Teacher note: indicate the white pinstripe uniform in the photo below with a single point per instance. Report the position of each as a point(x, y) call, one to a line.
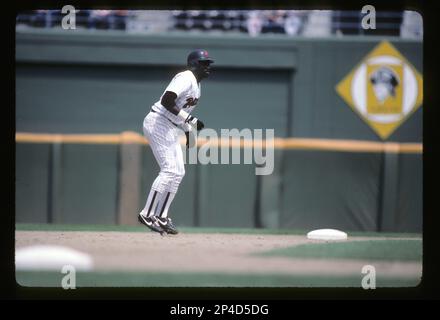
point(161, 128)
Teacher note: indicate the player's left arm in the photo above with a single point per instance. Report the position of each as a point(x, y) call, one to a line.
point(169, 102)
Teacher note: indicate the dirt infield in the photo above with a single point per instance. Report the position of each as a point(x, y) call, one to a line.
point(213, 252)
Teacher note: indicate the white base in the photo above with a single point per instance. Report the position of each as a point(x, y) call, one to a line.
point(327, 234)
point(44, 257)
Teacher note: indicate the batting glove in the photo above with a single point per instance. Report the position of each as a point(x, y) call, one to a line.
point(187, 118)
point(196, 122)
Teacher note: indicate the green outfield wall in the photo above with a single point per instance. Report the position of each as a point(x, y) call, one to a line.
point(70, 82)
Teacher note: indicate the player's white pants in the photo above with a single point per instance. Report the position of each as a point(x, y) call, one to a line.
point(163, 137)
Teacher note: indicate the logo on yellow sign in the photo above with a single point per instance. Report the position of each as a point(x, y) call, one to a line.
point(384, 89)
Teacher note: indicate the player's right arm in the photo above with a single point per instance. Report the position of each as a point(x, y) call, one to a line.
point(169, 102)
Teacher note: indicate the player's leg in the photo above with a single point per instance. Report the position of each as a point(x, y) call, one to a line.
point(166, 198)
point(151, 203)
point(161, 139)
point(163, 186)
point(178, 170)
point(163, 181)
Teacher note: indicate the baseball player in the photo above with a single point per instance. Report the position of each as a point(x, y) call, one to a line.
point(161, 127)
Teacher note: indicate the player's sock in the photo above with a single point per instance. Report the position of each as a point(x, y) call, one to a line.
point(163, 204)
point(151, 204)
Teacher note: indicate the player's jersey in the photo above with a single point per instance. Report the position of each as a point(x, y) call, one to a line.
point(185, 86)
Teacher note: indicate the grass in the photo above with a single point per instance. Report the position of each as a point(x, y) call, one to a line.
point(105, 228)
point(390, 249)
point(192, 279)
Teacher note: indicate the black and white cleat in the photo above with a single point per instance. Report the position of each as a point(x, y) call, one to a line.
point(151, 223)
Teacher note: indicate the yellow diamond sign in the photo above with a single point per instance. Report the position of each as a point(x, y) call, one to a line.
point(384, 89)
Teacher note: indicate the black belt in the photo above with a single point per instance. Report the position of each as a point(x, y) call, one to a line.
point(164, 117)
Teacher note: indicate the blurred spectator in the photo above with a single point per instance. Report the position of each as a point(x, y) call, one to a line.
point(294, 22)
point(195, 20)
point(216, 17)
point(179, 18)
point(274, 22)
point(99, 19)
point(117, 19)
point(228, 21)
point(254, 23)
point(82, 18)
point(40, 19)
